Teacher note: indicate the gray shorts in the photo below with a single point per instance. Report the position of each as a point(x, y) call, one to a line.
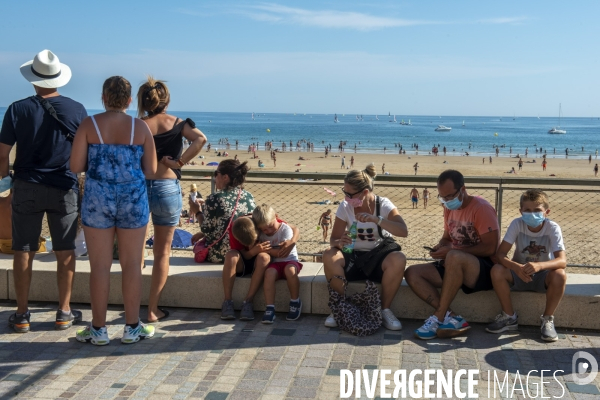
point(538, 284)
point(29, 204)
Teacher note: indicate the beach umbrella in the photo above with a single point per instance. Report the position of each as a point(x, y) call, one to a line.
point(212, 164)
point(331, 192)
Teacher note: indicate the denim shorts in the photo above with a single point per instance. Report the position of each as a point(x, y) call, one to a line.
point(164, 198)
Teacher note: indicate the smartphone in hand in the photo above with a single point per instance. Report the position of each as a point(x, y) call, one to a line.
point(428, 248)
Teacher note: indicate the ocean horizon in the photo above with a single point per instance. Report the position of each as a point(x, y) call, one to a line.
point(371, 134)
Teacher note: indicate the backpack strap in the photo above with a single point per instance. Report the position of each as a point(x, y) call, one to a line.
point(69, 134)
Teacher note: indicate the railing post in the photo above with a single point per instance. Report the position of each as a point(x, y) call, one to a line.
point(499, 195)
point(213, 187)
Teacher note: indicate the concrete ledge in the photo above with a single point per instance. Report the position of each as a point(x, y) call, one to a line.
point(581, 299)
point(6, 263)
point(189, 285)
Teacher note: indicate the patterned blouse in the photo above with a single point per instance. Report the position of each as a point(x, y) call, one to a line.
point(217, 213)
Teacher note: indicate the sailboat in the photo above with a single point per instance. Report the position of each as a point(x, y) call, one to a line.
point(252, 115)
point(394, 120)
point(335, 118)
point(556, 130)
point(376, 117)
point(463, 123)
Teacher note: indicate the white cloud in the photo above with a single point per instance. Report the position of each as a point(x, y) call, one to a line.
point(504, 20)
point(327, 18)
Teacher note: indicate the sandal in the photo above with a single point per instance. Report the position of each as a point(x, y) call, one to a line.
point(166, 312)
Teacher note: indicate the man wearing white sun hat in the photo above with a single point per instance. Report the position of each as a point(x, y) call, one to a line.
point(42, 127)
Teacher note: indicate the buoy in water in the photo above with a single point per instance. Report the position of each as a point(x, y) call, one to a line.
point(268, 130)
point(496, 134)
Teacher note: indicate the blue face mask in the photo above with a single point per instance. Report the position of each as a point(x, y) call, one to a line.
point(453, 204)
point(534, 219)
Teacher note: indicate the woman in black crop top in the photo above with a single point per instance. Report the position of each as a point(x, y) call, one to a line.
point(164, 191)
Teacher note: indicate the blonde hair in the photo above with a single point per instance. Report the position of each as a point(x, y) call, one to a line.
point(537, 196)
point(153, 97)
point(263, 215)
point(361, 180)
point(244, 231)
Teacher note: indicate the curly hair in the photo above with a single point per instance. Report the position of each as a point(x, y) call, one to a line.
point(117, 92)
point(153, 97)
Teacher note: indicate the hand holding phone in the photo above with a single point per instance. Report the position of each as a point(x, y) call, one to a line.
point(428, 248)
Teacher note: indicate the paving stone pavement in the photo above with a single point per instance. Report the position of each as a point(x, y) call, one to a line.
point(197, 355)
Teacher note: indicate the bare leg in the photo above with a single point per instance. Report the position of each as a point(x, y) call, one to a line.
point(99, 244)
point(502, 278)
point(333, 263)
point(269, 285)
point(65, 273)
point(260, 266)
point(461, 268)
point(163, 237)
point(233, 263)
point(292, 281)
point(556, 281)
point(424, 279)
point(130, 242)
point(22, 272)
point(393, 271)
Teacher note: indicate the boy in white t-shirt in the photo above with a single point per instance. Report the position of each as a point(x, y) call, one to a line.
point(274, 231)
point(538, 264)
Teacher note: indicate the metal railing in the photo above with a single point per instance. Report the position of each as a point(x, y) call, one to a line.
point(299, 199)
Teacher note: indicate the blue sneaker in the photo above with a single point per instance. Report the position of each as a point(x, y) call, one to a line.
point(269, 315)
point(295, 310)
point(429, 329)
point(453, 326)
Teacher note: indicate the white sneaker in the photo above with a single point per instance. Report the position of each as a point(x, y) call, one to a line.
point(330, 322)
point(142, 331)
point(390, 321)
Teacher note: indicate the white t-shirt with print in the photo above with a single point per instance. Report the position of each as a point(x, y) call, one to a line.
point(283, 233)
point(368, 234)
point(534, 246)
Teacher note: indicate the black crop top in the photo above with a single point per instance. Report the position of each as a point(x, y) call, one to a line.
point(170, 143)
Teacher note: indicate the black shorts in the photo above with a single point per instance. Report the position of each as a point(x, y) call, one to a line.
point(248, 266)
point(29, 204)
point(484, 282)
point(357, 274)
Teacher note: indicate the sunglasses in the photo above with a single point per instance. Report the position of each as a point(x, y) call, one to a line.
point(350, 195)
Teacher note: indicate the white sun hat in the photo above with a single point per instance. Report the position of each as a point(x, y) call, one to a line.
point(46, 71)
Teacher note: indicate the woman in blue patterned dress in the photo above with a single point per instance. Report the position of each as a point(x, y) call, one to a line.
point(115, 150)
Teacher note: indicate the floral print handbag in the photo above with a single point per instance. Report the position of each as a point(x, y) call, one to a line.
point(200, 247)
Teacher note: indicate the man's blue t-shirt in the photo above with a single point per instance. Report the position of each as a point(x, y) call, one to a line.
point(43, 151)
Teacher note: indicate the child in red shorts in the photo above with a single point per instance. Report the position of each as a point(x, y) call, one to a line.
point(274, 231)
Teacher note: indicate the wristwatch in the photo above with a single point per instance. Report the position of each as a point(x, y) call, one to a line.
point(380, 219)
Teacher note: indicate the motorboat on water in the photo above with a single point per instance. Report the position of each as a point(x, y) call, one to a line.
point(556, 130)
point(442, 128)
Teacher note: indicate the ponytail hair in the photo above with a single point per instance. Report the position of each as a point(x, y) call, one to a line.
point(361, 180)
point(153, 97)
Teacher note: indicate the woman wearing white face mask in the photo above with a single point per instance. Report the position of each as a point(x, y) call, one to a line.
point(377, 221)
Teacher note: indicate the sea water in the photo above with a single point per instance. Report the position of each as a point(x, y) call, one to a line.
point(479, 135)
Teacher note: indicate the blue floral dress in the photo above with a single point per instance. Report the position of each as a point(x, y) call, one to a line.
point(115, 186)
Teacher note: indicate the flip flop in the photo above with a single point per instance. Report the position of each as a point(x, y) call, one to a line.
point(166, 312)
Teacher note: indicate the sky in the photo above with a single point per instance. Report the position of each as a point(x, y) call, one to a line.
point(509, 58)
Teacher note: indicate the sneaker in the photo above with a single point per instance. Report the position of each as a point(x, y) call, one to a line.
point(330, 322)
point(429, 329)
point(295, 310)
point(96, 337)
point(20, 322)
point(247, 313)
point(65, 320)
point(452, 326)
point(269, 315)
point(548, 331)
point(227, 310)
point(503, 323)
point(133, 335)
point(390, 321)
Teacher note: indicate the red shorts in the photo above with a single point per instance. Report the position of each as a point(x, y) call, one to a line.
point(280, 266)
